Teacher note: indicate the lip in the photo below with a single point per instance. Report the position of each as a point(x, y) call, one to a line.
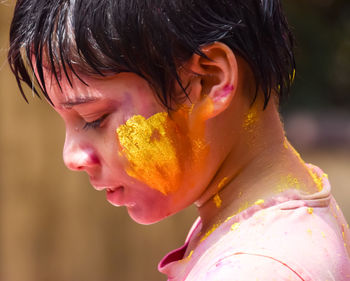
point(115, 195)
point(100, 187)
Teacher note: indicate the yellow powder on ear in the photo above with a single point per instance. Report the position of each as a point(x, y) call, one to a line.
point(217, 200)
point(310, 210)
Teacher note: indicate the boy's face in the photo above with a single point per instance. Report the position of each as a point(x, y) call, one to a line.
point(120, 135)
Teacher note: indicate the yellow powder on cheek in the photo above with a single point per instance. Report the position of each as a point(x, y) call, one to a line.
point(150, 151)
point(159, 149)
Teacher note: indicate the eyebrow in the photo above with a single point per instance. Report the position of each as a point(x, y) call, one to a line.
point(78, 101)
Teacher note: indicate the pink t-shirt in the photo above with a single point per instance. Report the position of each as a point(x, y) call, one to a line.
point(289, 237)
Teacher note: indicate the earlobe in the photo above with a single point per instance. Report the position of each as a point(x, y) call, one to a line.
point(217, 81)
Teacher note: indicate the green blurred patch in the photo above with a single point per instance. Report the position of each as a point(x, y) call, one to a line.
point(322, 32)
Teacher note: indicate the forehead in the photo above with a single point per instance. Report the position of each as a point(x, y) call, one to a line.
point(70, 91)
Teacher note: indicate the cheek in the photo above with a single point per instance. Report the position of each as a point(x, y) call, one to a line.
point(160, 150)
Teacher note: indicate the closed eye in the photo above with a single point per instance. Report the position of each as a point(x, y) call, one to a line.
point(95, 124)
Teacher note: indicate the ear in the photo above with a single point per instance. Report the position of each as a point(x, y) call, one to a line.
point(215, 84)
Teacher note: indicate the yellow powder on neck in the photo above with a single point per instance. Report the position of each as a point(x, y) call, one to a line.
point(217, 200)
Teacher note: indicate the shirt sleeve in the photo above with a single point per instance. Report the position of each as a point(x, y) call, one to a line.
point(253, 267)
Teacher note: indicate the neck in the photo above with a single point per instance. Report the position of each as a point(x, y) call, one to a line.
point(260, 164)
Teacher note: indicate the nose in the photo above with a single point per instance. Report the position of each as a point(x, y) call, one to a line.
point(78, 156)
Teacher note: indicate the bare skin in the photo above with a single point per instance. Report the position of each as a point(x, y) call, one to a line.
point(257, 156)
point(248, 160)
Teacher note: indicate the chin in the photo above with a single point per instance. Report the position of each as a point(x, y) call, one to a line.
point(148, 217)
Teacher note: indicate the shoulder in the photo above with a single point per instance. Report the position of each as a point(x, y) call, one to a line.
point(296, 244)
point(245, 266)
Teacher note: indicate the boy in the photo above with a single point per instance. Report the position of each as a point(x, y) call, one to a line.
point(170, 103)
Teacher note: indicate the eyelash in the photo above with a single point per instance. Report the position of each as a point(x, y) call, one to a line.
point(95, 124)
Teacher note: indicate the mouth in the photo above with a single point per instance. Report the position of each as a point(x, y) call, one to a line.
point(112, 189)
point(105, 187)
point(115, 196)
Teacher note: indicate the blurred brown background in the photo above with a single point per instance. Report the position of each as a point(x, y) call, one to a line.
point(54, 226)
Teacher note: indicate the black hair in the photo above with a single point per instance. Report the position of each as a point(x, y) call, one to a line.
point(151, 38)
